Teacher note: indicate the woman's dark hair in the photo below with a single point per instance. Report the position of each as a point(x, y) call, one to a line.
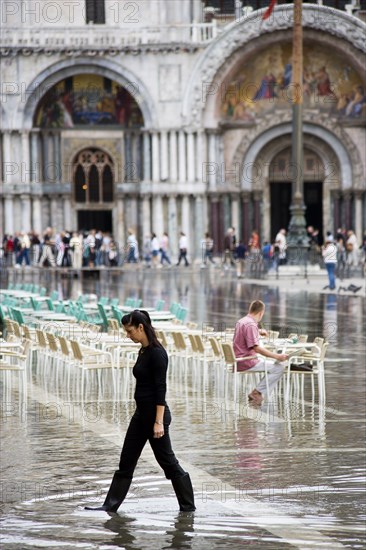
point(140, 316)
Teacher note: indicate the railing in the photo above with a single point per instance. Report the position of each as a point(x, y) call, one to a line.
point(97, 37)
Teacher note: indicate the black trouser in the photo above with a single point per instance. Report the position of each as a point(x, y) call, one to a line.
point(139, 431)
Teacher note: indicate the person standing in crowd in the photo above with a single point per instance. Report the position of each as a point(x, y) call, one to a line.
point(112, 254)
point(267, 254)
point(281, 242)
point(228, 248)
point(254, 250)
point(246, 344)
point(150, 421)
point(183, 244)
point(352, 249)
point(132, 248)
point(207, 246)
point(47, 249)
point(25, 245)
point(155, 249)
point(329, 253)
point(8, 246)
point(76, 247)
point(35, 247)
point(240, 253)
point(164, 249)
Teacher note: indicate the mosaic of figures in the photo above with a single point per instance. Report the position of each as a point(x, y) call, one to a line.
point(88, 100)
point(263, 85)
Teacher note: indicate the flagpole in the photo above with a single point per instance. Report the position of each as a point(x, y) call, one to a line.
point(297, 237)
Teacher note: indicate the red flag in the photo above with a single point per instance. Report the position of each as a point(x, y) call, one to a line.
point(269, 10)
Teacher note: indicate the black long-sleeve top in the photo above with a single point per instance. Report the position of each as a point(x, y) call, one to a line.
point(150, 373)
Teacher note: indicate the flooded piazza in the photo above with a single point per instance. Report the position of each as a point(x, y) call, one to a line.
point(290, 474)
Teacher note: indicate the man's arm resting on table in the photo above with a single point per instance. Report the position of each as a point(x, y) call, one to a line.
point(266, 353)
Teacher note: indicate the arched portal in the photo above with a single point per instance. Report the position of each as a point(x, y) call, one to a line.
point(280, 190)
point(93, 189)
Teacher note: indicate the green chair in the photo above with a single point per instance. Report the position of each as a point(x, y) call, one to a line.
point(160, 305)
point(35, 304)
point(42, 291)
point(103, 315)
point(117, 314)
point(114, 302)
point(103, 300)
point(10, 286)
point(54, 295)
point(50, 304)
point(182, 314)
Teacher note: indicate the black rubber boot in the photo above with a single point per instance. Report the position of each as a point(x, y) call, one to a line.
point(116, 494)
point(184, 491)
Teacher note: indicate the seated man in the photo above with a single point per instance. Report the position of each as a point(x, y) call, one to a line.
point(246, 343)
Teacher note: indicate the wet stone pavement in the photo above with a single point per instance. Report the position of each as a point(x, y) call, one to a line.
point(287, 475)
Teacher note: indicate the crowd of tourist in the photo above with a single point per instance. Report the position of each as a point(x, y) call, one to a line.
point(99, 249)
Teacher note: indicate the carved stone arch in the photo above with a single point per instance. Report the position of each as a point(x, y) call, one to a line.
point(268, 128)
point(226, 51)
point(84, 65)
point(331, 168)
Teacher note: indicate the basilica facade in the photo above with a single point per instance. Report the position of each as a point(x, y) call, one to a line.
point(170, 116)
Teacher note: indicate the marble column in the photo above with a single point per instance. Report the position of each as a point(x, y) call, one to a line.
point(173, 225)
point(26, 213)
point(191, 157)
point(173, 166)
point(146, 217)
point(119, 227)
point(37, 214)
point(257, 196)
point(245, 217)
point(25, 162)
point(68, 223)
point(45, 155)
point(155, 158)
point(201, 156)
point(213, 167)
point(358, 198)
point(57, 169)
point(199, 227)
point(186, 221)
point(129, 166)
point(35, 163)
point(164, 155)
point(347, 209)
point(226, 212)
point(215, 223)
point(9, 166)
point(182, 156)
point(235, 215)
point(147, 156)
point(55, 213)
point(336, 211)
point(157, 222)
point(9, 215)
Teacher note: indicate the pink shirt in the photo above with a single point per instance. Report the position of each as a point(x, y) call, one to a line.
point(246, 336)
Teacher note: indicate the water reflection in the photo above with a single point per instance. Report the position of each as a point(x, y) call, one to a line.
point(301, 457)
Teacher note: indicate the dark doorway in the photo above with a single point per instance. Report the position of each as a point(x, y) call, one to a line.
point(281, 201)
point(280, 206)
point(95, 219)
point(313, 197)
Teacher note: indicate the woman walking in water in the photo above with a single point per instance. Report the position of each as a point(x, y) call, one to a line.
point(150, 421)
